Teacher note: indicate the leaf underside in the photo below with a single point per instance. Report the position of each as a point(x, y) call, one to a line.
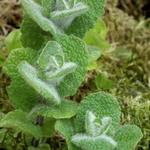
point(92, 143)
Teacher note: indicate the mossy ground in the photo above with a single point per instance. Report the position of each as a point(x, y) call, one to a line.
point(131, 73)
point(129, 30)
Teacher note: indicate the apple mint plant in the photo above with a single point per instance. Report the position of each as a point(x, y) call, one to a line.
point(47, 69)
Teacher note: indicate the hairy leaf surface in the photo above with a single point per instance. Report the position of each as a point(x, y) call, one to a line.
point(32, 35)
point(52, 49)
point(83, 23)
point(74, 51)
point(20, 93)
point(93, 143)
point(30, 75)
point(127, 137)
point(102, 104)
point(35, 12)
point(66, 109)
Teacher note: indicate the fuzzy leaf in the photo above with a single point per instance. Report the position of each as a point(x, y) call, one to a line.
point(90, 123)
point(102, 142)
point(30, 75)
point(32, 35)
point(22, 96)
point(65, 127)
point(73, 12)
point(83, 23)
point(96, 134)
point(15, 58)
point(93, 127)
point(18, 120)
point(127, 137)
point(20, 93)
point(63, 18)
point(66, 69)
point(102, 104)
point(74, 51)
point(35, 12)
point(66, 109)
point(52, 49)
point(47, 6)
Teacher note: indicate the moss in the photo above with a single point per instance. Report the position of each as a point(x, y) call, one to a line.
point(131, 76)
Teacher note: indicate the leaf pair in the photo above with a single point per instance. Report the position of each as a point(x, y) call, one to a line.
point(59, 19)
point(47, 16)
point(96, 134)
point(24, 122)
point(53, 65)
point(92, 135)
point(52, 68)
point(66, 12)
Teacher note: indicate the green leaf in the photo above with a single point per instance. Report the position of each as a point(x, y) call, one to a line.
point(66, 109)
point(96, 134)
point(93, 54)
point(52, 49)
point(83, 23)
point(48, 127)
point(15, 58)
point(102, 104)
point(75, 51)
point(32, 35)
point(30, 75)
point(70, 12)
point(65, 127)
point(51, 63)
point(22, 96)
point(20, 93)
point(102, 82)
point(97, 36)
point(93, 143)
point(127, 137)
point(47, 6)
point(18, 120)
point(93, 127)
point(35, 12)
point(13, 41)
point(64, 16)
point(60, 73)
